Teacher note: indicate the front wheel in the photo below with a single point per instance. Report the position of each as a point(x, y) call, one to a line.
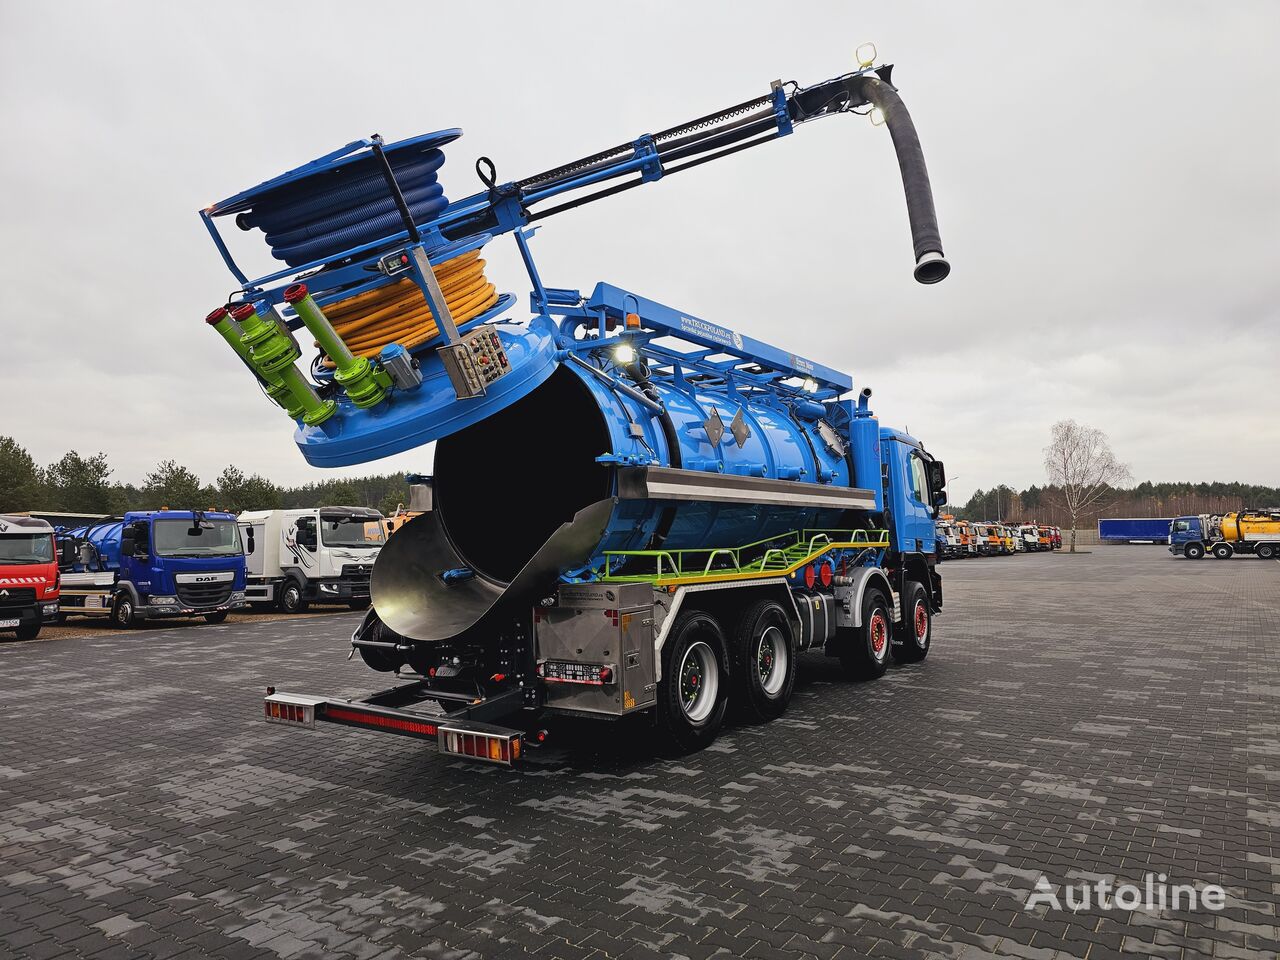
point(864, 650)
point(218, 616)
point(693, 694)
point(1222, 551)
point(915, 633)
point(124, 615)
point(764, 663)
point(292, 599)
point(1267, 551)
point(1193, 551)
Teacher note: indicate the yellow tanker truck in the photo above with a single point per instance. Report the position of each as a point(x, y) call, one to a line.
point(1244, 531)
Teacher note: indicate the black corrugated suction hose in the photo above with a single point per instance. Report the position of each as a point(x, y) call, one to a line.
point(931, 265)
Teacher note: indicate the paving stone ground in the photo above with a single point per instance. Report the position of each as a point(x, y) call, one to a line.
point(1099, 716)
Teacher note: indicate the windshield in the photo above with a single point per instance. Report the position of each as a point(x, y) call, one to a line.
point(212, 538)
point(26, 548)
point(350, 532)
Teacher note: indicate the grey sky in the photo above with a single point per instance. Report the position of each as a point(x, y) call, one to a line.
point(1107, 178)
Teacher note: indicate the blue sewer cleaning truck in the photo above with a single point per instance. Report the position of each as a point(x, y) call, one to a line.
point(633, 509)
point(153, 563)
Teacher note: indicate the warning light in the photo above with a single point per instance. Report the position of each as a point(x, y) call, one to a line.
point(606, 675)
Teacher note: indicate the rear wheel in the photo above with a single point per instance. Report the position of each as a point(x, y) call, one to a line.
point(1266, 551)
point(864, 652)
point(1222, 551)
point(693, 694)
point(124, 615)
point(764, 664)
point(291, 598)
point(1193, 551)
point(915, 633)
point(28, 631)
point(218, 616)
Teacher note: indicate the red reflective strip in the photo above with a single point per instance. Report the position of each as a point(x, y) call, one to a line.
point(379, 721)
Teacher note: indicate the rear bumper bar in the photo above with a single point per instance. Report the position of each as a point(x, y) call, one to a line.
point(463, 738)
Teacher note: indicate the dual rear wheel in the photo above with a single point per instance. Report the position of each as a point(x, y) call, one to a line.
point(753, 668)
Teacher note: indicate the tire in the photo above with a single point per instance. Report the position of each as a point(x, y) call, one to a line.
point(914, 635)
point(218, 616)
point(1193, 551)
point(1266, 551)
point(124, 615)
point(763, 663)
point(292, 599)
point(29, 631)
point(1222, 551)
point(864, 650)
point(694, 692)
point(360, 603)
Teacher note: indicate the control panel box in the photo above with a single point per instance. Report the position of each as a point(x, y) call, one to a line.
point(475, 361)
point(595, 648)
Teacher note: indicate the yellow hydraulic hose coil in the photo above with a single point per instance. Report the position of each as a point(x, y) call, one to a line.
point(398, 313)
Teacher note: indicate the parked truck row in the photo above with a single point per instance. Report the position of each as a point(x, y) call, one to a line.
point(158, 564)
point(960, 539)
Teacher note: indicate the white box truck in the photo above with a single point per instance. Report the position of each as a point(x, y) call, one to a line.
point(315, 555)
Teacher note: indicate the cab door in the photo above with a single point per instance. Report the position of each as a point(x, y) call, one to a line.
point(914, 515)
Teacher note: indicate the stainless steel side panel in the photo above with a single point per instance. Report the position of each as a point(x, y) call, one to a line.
point(668, 483)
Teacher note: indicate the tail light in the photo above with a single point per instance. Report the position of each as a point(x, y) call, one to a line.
point(501, 748)
point(290, 708)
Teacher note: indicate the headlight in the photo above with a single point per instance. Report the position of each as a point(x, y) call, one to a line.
point(328, 588)
point(164, 601)
point(51, 608)
point(237, 596)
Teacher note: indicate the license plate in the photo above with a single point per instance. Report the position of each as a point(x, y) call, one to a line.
point(6, 624)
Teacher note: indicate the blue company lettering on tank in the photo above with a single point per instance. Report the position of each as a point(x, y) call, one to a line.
point(711, 331)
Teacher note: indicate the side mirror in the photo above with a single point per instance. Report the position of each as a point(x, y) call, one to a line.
point(128, 546)
point(67, 553)
point(938, 482)
point(248, 540)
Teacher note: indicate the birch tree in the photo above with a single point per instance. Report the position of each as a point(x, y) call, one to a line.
point(1080, 462)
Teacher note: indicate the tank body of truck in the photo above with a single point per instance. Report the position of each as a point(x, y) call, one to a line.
point(1250, 531)
point(30, 582)
point(1134, 529)
point(310, 555)
point(153, 564)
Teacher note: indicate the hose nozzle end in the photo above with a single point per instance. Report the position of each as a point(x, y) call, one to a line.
point(296, 292)
point(215, 316)
point(932, 267)
point(243, 312)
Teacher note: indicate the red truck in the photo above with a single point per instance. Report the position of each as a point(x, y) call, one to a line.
point(29, 578)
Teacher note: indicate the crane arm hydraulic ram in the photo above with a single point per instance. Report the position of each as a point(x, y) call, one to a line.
point(749, 124)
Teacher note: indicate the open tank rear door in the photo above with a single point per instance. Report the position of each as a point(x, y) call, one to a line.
point(423, 590)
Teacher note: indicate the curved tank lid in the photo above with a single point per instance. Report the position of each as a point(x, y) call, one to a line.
point(357, 151)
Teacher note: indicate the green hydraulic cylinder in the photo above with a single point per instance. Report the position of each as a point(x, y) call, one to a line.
point(364, 383)
point(230, 331)
point(272, 354)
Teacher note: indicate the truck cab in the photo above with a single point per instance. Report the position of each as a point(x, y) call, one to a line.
point(29, 577)
point(311, 555)
point(1029, 533)
point(153, 564)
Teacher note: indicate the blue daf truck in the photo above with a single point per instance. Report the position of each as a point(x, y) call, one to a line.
point(153, 563)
